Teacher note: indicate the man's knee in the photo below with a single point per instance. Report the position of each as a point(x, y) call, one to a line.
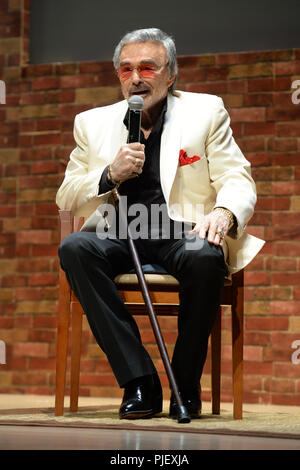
point(205, 260)
point(71, 248)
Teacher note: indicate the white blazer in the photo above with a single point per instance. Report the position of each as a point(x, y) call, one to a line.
point(196, 123)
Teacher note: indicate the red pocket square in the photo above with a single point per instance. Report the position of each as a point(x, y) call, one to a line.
point(185, 160)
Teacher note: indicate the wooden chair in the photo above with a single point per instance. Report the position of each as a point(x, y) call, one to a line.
point(164, 295)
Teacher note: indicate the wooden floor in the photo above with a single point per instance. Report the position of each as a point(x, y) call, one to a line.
point(56, 438)
point(46, 438)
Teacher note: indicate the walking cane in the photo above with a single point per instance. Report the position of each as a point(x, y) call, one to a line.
point(136, 104)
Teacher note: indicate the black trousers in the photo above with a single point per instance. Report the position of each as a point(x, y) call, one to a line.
point(91, 265)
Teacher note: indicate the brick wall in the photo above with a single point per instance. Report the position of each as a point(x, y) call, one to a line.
point(35, 141)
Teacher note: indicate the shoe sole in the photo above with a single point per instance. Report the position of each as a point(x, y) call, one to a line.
point(192, 416)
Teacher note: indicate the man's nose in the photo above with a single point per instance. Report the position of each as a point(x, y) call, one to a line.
point(135, 77)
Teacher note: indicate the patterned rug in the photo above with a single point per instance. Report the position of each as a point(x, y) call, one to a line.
point(280, 424)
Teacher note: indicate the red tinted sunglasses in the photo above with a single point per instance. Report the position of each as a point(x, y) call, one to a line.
point(145, 70)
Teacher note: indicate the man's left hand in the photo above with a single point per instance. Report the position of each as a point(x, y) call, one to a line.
point(215, 225)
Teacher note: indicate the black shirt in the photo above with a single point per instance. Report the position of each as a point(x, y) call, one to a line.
point(146, 188)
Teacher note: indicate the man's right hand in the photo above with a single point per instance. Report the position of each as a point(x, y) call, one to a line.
point(128, 162)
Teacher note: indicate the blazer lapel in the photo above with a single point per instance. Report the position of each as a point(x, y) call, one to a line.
point(170, 145)
point(114, 134)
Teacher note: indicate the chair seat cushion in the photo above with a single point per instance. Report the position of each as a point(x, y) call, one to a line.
point(154, 274)
point(151, 269)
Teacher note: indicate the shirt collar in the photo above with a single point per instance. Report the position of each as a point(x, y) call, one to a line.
point(158, 125)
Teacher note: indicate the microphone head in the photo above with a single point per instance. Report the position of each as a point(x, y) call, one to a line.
point(136, 103)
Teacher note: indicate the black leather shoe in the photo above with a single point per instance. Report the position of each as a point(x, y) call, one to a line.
point(191, 400)
point(142, 398)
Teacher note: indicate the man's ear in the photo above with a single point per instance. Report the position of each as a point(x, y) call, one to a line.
point(171, 81)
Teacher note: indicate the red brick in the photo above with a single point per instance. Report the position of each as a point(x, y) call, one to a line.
point(77, 81)
point(34, 236)
point(266, 128)
point(282, 83)
point(31, 182)
point(96, 67)
point(30, 349)
point(49, 124)
point(289, 248)
point(247, 114)
point(286, 399)
point(258, 99)
point(282, 99)
point(45, 250)
point(260, 84)
point(45, 83)
point(286, 370)
point(216, 73)
point(209, 87)
point(97, 379)
point(279, 385)
point(11, 280)
point(8, 211)
point(47, 208)
point(273, 203)
point(39, 70)
point(282, 143)
point(286, 158)
point(251, 144)
point(25, 293)
point(42, 363)
point(44, 223)
point(191, 75)
point(283, 114)
point(257, 278)
point(43, 279)
point(32, 98)
point(44, 321)
point(288, 129)
point(282, 264)
point(255, 368)
point(43, 336)
point(47, 139)
point(36, 154)
point(253, 353)
point(269, 323)
point(287, 68)
point(285, 307)
point(289, 218)
point(296, 293)
point(286, 278)
point(259, 158)
point(290, 187)
point(31, 378)
point(44, 167)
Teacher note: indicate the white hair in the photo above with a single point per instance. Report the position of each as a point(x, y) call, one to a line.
point(151, 35)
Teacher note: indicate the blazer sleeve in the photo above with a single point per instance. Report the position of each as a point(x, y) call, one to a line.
point(230, 172)
point(80, 186)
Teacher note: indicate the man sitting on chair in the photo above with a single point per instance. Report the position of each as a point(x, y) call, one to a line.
point(187, 165)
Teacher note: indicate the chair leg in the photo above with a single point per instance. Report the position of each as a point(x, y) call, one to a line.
point(62, 342)
point(76, 334)
point(237, 352)
point(216, 364)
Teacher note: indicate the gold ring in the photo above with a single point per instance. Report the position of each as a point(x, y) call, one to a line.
point(221, 234)
point(138, 162)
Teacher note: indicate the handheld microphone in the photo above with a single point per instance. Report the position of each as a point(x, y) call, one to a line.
point(136, 104)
